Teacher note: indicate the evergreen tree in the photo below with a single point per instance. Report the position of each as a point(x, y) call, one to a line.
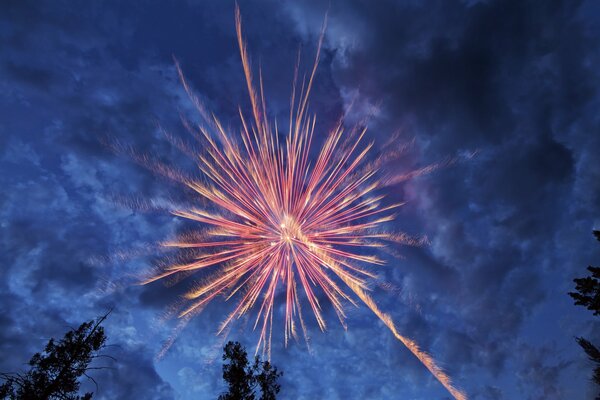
point(244, 379)
point(54, 373)
point(588, 295)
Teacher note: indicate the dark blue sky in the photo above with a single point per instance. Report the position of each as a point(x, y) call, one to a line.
point(509, 229)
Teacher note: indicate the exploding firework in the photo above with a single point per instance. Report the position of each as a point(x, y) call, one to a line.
point(281, 220)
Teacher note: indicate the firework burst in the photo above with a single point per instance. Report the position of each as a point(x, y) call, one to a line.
point(281, 220)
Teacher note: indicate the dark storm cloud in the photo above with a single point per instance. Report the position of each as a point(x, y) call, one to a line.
point(513, 80)
point(509, 229)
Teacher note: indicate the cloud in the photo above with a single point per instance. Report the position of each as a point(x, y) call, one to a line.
point(509, 228)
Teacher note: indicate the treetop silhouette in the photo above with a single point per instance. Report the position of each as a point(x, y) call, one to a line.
point(55, 373)
point(245, 380)
point(588, 295)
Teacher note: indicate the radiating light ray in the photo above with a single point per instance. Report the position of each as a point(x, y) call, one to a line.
point(278, 218)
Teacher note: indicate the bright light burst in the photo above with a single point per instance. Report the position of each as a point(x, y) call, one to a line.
point(282, 220)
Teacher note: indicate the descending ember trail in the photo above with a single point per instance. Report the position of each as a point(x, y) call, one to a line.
point(280, 221)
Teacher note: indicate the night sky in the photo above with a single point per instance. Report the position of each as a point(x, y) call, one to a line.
point(514, 81)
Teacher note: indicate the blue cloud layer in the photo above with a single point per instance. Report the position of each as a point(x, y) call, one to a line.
point(509, 229)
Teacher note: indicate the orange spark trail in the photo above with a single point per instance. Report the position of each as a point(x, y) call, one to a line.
point(425, 358)
point(281, 221)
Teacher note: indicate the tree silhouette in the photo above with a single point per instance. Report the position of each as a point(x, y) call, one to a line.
point(594, 355)
point(244, 379)
point(588, 295)
point(55, 373)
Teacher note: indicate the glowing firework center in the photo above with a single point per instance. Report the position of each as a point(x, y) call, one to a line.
point(327, 207)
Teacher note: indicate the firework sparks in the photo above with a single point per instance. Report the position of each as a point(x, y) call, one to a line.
point(280, 220)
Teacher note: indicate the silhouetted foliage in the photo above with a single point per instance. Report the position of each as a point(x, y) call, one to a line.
point(236, 373)
point(588, 295)
point(593, 354)
point(55, 372)
point(589, 291)
point(244, 379)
